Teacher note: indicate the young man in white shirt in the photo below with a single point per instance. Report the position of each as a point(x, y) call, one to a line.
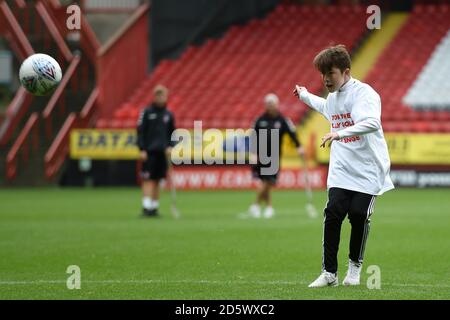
point(359, 160)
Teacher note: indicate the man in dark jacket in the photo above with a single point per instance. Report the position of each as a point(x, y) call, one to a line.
point(270, 120)
point(154, 130)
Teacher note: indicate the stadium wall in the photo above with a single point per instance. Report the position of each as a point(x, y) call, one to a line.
point(85, 172)
point(109, 157)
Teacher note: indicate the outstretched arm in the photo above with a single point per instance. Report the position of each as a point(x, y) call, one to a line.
point(360, 128)
point(366, 114)
point(315, 102)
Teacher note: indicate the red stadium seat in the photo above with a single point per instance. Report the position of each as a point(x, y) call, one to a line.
point(224, 81)
point(400, 64)
point(102, 123)
point(116, 124)
point(420, 126)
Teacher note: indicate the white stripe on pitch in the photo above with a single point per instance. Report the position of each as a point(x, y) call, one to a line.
point(202, 281)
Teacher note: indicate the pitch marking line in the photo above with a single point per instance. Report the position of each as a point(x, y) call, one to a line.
point(218, 282)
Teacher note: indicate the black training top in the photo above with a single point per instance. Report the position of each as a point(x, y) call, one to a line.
point(154, 129)
point(285, 125)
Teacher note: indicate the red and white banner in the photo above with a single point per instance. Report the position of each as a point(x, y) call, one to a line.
point(223, 177)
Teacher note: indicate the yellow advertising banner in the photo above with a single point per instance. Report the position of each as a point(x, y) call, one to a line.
point(409, 149)
point(419, 148)
point(209, 144)
point(111, 144)
point(121, 144)
point(103, 144)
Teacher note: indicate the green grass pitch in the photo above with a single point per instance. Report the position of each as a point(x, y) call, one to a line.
point(210, 253)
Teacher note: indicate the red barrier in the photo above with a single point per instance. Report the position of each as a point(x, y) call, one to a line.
point(29, 132)
point(88, 40)
point(123, 62)
point(56, 154)
point(58, 151)
point(87, 114)
point(14, 33)
point(229, 177)
point(116, 79)
point(21, 3)
point(48, 113)
point(54, 31)
point(14, 114)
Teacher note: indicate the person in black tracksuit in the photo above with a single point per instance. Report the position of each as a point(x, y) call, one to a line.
point(154, 130)
point(271, 119)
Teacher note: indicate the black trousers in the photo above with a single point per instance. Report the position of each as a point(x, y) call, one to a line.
point(359, 207)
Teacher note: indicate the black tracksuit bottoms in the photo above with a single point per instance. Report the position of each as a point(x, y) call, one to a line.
point(359, 207)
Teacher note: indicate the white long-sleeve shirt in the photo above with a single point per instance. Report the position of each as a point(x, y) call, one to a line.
point(359, 161)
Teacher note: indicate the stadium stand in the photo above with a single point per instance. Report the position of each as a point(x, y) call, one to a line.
point(431, 90)
point(403, 62)
point(223, 81)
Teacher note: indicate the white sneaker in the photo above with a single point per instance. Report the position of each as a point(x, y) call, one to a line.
point(255, 211)
point(326, 279)
point(353, 274)
point(269, 212)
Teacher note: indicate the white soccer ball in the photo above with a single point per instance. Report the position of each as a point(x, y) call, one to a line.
point(40, 74)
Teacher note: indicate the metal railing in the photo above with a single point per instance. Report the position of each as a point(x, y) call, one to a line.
point(14, 114)
point(89, 112)
point(58, 150)
point(14, 33)
point(54, 31)
point(21, 46)
point(57, 153)
point(27, 141)
point(57, 101)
